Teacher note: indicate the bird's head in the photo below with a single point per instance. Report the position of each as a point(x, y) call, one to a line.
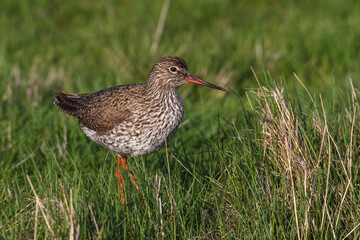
point(173, 72)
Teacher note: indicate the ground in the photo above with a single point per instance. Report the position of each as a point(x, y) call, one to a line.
point(274, 157)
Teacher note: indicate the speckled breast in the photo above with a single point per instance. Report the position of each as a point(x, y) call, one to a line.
point(144, 132)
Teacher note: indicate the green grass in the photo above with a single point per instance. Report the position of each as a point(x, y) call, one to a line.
point(248, 164)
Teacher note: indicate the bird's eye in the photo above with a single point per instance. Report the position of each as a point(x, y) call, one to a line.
point(173, 69)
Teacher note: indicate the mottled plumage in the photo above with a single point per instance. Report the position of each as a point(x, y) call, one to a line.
point(134, 120)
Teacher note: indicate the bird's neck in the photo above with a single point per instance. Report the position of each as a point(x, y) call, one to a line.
point(157, 88)
point(162, 94)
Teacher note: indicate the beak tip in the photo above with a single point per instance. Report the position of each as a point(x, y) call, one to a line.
point(193, 79)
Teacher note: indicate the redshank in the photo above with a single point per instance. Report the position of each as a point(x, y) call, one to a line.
point(136, 119)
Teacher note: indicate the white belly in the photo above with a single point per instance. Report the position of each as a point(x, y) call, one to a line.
point(138, 138)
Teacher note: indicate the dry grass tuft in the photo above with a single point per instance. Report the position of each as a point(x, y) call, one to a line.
point(299, 154)
point(51, 212)
point(283, 139)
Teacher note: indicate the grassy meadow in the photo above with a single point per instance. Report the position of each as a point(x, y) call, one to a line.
point(275, 157)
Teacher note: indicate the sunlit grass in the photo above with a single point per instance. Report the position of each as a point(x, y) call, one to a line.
point(274, 157)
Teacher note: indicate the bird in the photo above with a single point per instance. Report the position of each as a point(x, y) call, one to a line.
point(134, 119)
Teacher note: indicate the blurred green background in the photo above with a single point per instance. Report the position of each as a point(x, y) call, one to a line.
point(83, 46)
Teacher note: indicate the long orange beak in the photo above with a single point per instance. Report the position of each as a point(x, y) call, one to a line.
point(196, 80)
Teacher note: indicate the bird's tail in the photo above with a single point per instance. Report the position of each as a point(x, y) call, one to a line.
point(71, 104)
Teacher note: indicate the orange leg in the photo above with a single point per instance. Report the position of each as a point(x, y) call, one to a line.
point(124, 166)
point(118, 174)
point(123, 161)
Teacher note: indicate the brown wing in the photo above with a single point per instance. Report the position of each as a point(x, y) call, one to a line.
point(104, 119)
point(102, 110)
